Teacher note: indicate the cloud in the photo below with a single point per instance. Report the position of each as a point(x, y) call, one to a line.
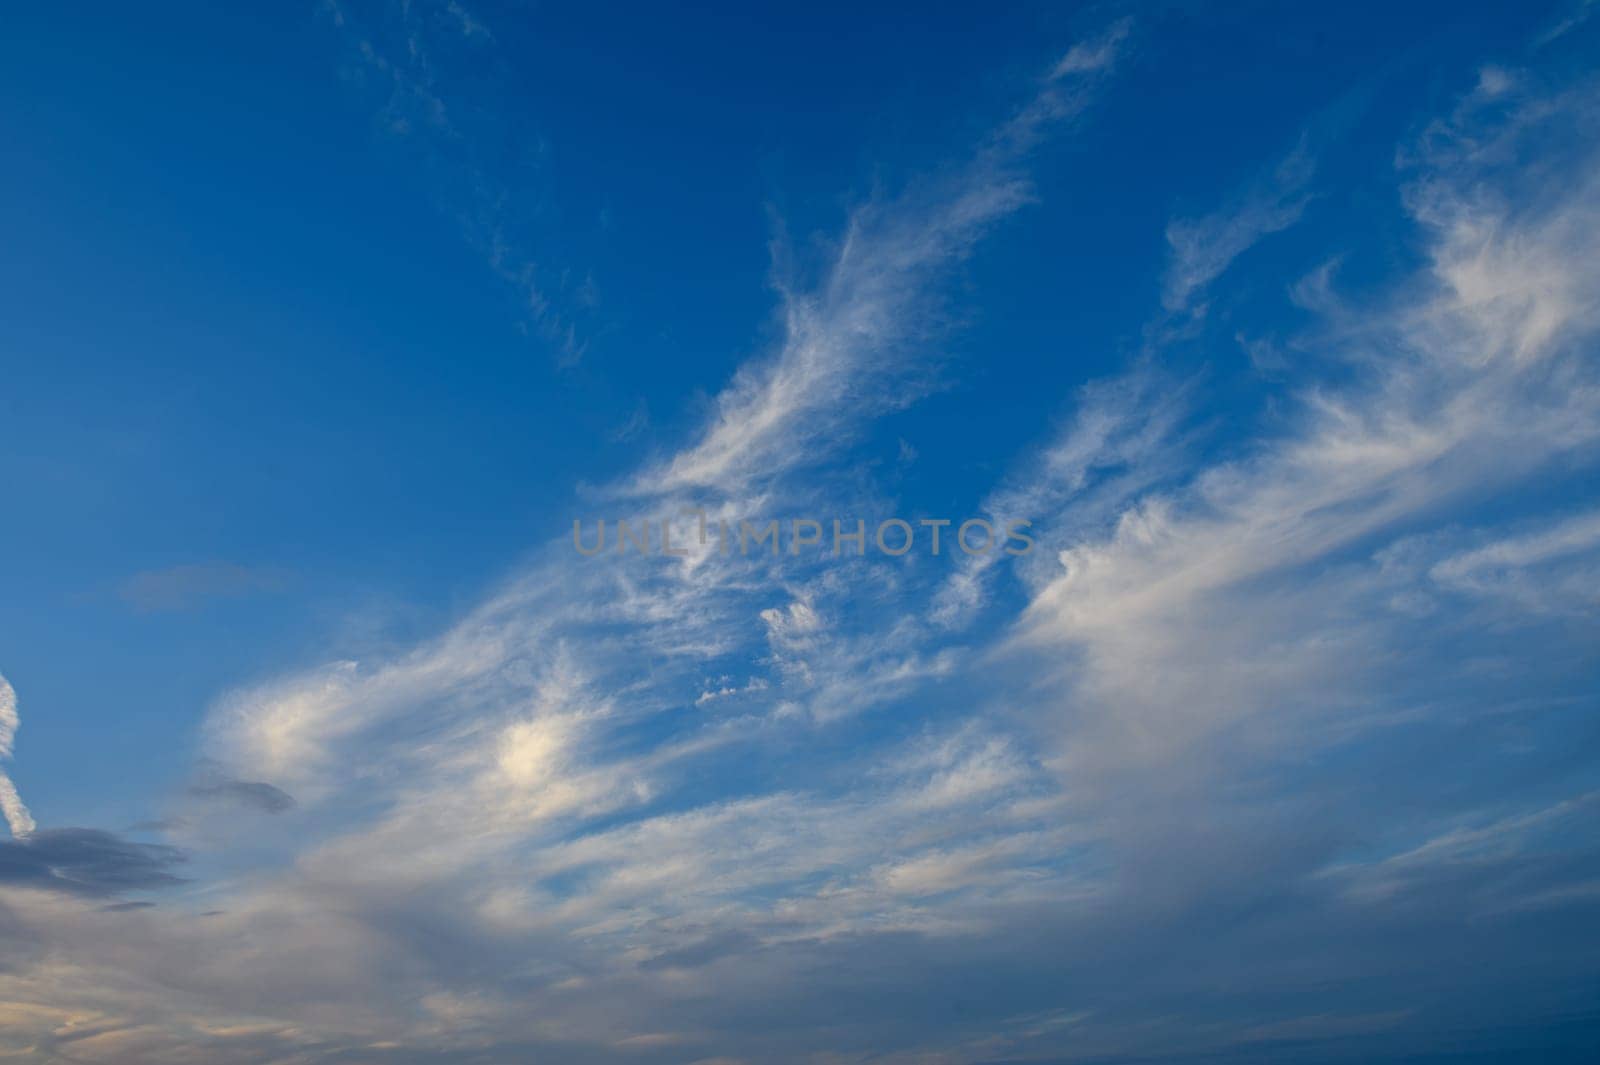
point(1202, 248)
point(248, 793)
point(1451, 398)
point(857, 343)
point(434, 66)
point(529, 838)
point(189, 586)
point(9, 718)
point(1473, 848)
point(1097, 54)
point(1553, 568)
point(847, 344)
point(1122, 436)
point(16, 814)
point(637, 423)
point(1578, 12)
point(86, 861)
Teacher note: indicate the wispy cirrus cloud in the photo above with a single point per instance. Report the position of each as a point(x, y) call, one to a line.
point(1203, 247)
point(1121, 436)
point(412, 55)
point(858, 343)
point(1454, 397)
point(846, 358)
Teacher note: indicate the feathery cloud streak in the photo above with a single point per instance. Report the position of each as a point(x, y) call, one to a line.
point(852, 345)
point(11, 806)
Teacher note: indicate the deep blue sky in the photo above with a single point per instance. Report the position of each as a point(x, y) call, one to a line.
point(319, 325)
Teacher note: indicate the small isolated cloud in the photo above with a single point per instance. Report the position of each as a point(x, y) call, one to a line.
point(726, 691)
point(189, 586)
point(87, 861)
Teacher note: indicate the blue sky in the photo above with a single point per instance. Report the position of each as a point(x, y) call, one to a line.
point(320, 325)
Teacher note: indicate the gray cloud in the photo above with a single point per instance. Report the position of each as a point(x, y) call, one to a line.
point(87, 861)
point(251, 793)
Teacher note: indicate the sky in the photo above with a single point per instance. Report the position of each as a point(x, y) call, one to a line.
point(332, 333)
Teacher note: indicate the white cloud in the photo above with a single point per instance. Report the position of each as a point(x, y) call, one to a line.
point(854, 344)
point(1122, 436)
point(16, 814)
point(1202, 248)
point(9, 718)
point(1573, 536)
point(1236, 594)
point(1099, 53)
